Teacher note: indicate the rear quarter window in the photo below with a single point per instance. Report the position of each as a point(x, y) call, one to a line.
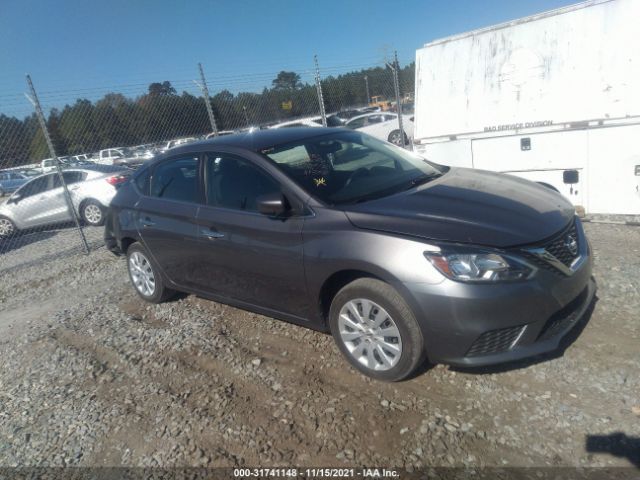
point(142, 182)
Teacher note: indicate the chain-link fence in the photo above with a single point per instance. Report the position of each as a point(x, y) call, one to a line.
point(59, 170)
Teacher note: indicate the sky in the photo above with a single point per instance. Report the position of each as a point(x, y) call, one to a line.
point(85, 48)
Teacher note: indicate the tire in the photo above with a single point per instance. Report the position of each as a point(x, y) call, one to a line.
point(93, 213)
point(7, 228)
point(383, 361)
point(395, 138)
point(145, 275)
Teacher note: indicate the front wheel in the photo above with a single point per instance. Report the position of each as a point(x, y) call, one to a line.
point(93, 213)
point(7, 228)
point(376, 330)
point(145, 275)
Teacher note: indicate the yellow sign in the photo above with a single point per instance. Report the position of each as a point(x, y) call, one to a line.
point(287, 105)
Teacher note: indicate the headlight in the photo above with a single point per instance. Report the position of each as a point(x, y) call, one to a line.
point(478, 266)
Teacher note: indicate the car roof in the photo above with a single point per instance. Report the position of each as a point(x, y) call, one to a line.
point(261, 139)
point(371, 114)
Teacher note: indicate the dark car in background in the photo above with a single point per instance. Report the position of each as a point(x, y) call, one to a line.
point(399, 258)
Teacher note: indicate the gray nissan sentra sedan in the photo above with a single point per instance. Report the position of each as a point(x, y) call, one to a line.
point(401, 259)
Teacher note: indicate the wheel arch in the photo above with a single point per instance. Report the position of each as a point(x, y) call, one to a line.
point(126, 242)
point(332, 285)
point(338, 279)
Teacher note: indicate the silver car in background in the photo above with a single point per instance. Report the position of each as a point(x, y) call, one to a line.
point(41, 201)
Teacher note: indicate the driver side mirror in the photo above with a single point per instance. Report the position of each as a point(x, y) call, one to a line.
point(15, 198)
point(272, 204)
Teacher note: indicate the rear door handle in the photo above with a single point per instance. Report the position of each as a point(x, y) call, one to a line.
point(146, 223)
point(211, 234)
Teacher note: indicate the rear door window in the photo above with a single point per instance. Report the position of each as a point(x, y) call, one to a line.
point(357, 123)
point(142, 182)
point(177, 179)
point(73, 177)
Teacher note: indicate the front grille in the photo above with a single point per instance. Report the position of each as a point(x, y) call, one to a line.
point(563, 318)
point(558, 248)
point(495, 341)
point(540, 263)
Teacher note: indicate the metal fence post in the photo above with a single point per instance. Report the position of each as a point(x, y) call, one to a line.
point(43, 124)
point(319, 90)
point(396, 87)
point(207, 100)
point(366, 85)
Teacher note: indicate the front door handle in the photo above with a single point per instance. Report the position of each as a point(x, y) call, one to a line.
point(211, 234)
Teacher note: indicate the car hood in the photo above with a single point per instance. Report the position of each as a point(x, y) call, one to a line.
point(469, 206)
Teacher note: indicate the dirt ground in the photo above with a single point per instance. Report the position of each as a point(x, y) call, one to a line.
point(92, 376)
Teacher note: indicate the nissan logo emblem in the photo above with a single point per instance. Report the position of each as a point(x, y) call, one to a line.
point(571, 243)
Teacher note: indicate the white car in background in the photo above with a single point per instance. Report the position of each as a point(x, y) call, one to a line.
point(383, 125)
point(332, 121)
point(177, 141)
point(41, 201)
point(48, 165)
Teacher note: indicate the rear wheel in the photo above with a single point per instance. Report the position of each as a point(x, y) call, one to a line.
point(375, 330)
point(396, 138)
point(7, 228)
point(93, 213)
point(145, 275)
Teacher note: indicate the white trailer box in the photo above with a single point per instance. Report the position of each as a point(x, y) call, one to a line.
point(553, 97)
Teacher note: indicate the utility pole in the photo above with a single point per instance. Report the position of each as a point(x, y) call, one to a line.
point(207, 101)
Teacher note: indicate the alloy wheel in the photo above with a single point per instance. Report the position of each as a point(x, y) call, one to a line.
point(6, 227)
point(93, 213)
point(142, 274)
point(395, 138)
point(370, 334)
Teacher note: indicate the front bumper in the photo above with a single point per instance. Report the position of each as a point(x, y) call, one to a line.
point(469, 325)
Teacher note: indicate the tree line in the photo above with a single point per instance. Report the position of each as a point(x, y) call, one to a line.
point(161, 113)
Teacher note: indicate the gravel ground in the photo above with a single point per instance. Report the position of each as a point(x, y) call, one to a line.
point(93, 376)
point(37, 247)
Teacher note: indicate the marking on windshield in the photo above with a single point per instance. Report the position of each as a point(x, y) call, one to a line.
point(320, 182)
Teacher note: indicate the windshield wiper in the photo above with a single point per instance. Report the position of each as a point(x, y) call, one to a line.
point(395, 189)
point(422, 180)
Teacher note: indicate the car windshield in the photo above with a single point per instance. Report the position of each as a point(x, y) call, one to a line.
point(350, 167)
